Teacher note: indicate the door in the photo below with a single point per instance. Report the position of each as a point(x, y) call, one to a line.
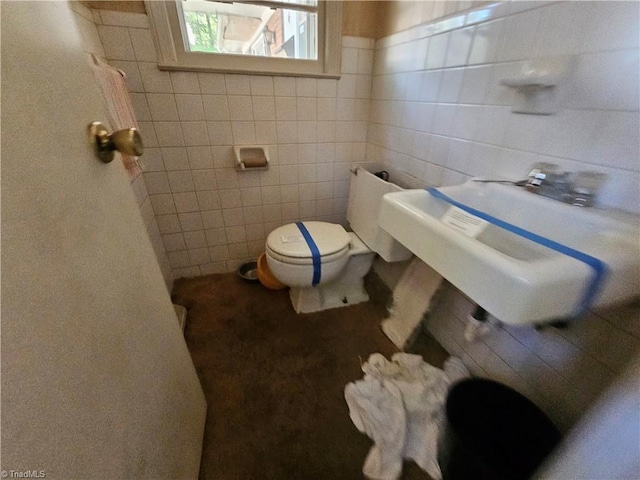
point(97, 381)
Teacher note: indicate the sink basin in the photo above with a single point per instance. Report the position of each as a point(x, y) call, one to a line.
point(536, 260)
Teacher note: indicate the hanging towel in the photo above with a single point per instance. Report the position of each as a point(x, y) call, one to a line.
point(411, 299)
point(117, 106)
point(400, 405)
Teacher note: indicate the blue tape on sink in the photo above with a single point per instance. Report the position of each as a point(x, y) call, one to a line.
point(315, 253)
point(598, 266)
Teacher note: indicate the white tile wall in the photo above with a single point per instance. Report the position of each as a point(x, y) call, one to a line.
point(86, 20)
point(460, 98)
point(561, 370)
point(212, 218)
point(443, 117)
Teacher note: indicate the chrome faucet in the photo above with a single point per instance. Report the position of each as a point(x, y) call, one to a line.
point(578, 188)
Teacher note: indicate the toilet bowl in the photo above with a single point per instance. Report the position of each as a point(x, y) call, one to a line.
point(322, 263)
point(332, 276)
point(291, 260)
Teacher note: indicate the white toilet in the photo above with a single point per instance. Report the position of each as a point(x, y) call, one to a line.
point(322, 263)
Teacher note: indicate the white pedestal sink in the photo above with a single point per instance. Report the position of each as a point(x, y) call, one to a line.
point(537, 259)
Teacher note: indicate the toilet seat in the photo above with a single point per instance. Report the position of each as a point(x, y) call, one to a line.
point(307, 260)
point(323, 265)
point(288, 245)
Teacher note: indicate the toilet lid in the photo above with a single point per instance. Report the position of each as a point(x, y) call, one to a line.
point(289, 241)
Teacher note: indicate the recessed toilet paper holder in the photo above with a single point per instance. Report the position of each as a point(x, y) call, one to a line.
point(251, 157)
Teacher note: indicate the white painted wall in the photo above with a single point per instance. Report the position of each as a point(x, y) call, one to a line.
point(605, 444)
point(97, 381)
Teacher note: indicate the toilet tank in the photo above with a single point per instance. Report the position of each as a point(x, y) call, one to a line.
point(365, 197)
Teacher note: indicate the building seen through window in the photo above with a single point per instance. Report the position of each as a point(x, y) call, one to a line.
point(285, 29)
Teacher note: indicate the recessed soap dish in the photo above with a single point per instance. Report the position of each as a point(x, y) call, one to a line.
point(536, 84)
point(253, 157)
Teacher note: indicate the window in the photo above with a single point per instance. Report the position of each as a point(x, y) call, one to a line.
point(285, 37)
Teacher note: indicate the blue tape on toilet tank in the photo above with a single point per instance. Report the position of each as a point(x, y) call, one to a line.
point(598, 266)
point(315, 253)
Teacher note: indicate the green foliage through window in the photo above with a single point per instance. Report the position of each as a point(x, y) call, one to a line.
point(202, 31)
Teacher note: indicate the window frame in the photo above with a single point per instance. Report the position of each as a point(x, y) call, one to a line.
point(172, 55)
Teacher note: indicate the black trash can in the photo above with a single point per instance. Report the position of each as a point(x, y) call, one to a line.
point(492, 433)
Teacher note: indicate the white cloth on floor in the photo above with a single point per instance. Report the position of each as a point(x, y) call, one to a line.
point(375, 409)
point(399, 405)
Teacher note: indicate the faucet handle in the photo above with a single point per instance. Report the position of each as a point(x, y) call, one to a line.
point(585, 186)
point(539, 173)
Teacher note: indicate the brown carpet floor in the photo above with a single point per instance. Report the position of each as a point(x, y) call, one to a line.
point(274, 380)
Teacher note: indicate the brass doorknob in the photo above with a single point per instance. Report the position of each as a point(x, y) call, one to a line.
point(127, 141)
